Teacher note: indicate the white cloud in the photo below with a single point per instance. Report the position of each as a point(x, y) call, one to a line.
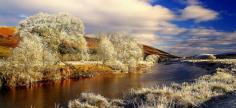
point(192, 2)
point(147, 38)
point(205, 32)
point(198, 13)
point(130, 16)
point(148, 24)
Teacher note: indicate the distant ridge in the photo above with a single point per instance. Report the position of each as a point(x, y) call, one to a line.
point(228, 55)
point(148, 50)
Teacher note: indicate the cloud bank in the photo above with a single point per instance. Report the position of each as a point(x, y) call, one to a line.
point(130, 16)
point(149, 24)
point(198, 13)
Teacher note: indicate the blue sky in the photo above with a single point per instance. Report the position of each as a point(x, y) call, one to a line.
point(181, 27)
point(224, 22)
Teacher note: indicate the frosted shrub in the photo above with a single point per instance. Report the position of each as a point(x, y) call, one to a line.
point(83, 48)
point(28, 54)
point(127, 48)
point(108, 55)
point(132, 63)
point(75, 46)
point(27, 60)
point(89, 101)
point(106, 51)
point(55, 28)
point(211, 57)
point(61, 22)
point(152, 58)
point(119, 47)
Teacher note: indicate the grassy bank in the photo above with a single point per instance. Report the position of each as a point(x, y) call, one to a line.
point(66, 70)
point(56, 72)
point(185, 95)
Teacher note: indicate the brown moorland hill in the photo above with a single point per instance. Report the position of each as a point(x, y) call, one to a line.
point(7, 31)
point(148, 50)
point(8, 39)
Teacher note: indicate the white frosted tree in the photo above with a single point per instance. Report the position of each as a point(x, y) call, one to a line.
point(80, 43)
point(105, 50)
point(128, 51)
point(107, 53)
point(152, 58)
point(27, 55)
point(61, 22)
point(28, 60)
point(55, 28)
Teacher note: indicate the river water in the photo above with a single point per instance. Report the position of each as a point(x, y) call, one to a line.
point(112, 86)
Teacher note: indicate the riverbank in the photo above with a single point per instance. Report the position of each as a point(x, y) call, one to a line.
point(182, 95)
point(62, 71)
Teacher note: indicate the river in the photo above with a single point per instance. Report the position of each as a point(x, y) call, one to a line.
point(112, 86)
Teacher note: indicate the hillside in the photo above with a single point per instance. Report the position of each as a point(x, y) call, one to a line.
point(9, 39)
point(148, 50)
point(228, 55)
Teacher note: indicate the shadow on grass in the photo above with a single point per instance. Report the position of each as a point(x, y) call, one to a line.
point(223, 101)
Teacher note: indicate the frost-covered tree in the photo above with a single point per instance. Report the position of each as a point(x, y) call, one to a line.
point(119, 48)
point(128, 50)
point(212, 57)
point(28, 54)
point(152, 58)
point(106, 51)
point(55, 28)
point(76, 45)
point(28, 60)
point(61, 22)
point(127, 46)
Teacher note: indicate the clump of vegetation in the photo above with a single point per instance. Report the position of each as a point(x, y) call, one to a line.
point(152, 58)
point(119, 51)
point(89, 101)
point(211, 57)
point(38, 50)
point(27, 62)
point(175, 96)
point(57, 31)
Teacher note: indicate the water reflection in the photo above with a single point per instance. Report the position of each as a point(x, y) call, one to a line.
point(113, 86)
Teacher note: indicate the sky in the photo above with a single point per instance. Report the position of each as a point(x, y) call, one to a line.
point(180, 27)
